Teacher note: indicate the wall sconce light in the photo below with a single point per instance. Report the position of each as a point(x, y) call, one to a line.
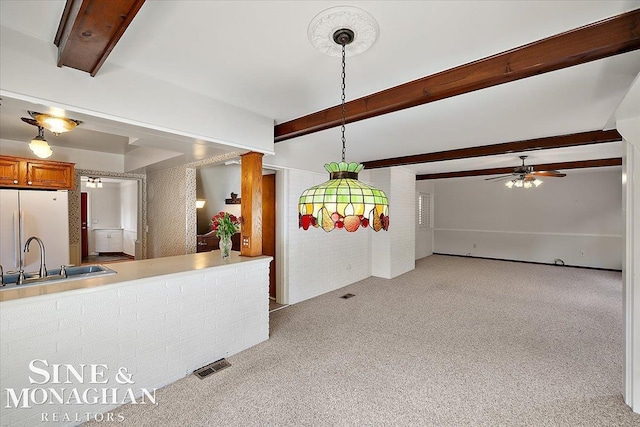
point(200, 203)
point(234, 200)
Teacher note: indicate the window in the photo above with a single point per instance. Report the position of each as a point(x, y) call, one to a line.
point(424, 210)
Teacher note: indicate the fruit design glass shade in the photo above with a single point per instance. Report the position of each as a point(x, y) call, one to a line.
point(343, 202)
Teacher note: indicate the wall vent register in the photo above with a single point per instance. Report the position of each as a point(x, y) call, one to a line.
point(211, 368)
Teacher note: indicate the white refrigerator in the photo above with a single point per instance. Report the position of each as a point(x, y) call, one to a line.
point(26, 213)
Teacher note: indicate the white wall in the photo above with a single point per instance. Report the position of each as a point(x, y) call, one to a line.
point(628, 124)
point(562, 218)
point(29, 72)
point(316, 261)
point(215, 184)
point(103, 209)
point(105, 206)
point(424, 233)
point(393, 251)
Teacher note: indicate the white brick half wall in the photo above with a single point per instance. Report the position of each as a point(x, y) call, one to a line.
point(159, 329)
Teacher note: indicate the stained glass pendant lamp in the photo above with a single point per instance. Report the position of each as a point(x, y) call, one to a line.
point(343, 201)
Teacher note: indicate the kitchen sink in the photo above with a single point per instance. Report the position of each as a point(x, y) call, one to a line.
point(54, 275)
point(83, 270)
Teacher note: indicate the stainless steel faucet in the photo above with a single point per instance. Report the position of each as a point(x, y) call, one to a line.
point(43, 267)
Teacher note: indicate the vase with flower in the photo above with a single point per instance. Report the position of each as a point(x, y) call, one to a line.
point(225, 225)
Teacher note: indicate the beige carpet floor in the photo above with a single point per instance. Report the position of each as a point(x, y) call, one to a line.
point(456, 342)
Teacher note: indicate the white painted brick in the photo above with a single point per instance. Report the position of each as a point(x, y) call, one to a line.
point(128, 309)
point(129, 292)
point(18, 308)
point(155, 328)
point(96, 330)
point(19, 334)
point(37, 318)
point(126, 321)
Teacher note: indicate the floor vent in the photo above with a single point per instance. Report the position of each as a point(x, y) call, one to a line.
point(211, 368)
point(347, 296)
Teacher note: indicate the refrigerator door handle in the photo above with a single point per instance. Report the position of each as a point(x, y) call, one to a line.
point(16, 239)
point(21, 256)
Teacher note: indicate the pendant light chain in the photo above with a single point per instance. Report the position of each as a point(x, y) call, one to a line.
point(344, 75)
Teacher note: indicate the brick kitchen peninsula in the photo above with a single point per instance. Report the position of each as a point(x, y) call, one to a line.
point(156, 321)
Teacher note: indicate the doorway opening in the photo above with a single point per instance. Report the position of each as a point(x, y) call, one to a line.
point(110, 218)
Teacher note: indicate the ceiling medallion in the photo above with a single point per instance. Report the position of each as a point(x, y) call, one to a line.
point(326, 23)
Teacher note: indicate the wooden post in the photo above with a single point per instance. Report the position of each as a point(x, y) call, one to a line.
point(251, 207)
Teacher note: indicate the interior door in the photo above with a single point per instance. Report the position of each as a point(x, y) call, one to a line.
point(269, 227)
point(84, 233)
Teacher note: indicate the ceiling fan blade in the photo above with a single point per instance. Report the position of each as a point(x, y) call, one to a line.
point(504, 178)
point(550, 173)
point(499, 177)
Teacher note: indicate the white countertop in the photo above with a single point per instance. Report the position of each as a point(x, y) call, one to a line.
point(134, 270)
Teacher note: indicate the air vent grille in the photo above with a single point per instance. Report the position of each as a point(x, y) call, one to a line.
point(211, 368)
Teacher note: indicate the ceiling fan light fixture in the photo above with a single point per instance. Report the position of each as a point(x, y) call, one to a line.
point(55, 124)
point(526, 176)
point(524, 181)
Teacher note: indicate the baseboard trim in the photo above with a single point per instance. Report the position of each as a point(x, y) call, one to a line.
point(528, 262)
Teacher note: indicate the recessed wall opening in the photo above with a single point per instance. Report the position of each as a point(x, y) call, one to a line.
point(107, 217)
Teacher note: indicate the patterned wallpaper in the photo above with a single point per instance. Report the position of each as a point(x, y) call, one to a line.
point(172, 227)
point(74, 203)
point(191, 239)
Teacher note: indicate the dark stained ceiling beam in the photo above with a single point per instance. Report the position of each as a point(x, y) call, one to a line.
point(90, 29)
point(598, 40)
point(548, 166)
point(560, 141)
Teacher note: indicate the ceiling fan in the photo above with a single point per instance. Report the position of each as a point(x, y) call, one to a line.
point(524, 176)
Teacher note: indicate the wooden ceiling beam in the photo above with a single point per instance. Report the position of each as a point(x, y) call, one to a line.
point(560, 141)
point(612, 36)
point(90, 29)
point(617, 161)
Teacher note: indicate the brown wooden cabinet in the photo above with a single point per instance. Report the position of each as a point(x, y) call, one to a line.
point(9, 171)
point(19, 172)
